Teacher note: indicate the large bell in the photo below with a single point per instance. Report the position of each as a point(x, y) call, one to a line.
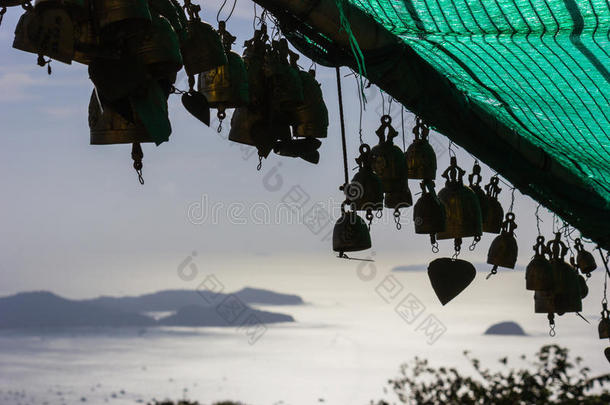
point(539, 272)
point(421, 159)
point(227, 85)
point(503, 249)
point(201, 48)
point(350, 233)
point(388, 161)
point(121, 18)
point(449, 277)
point(22, 40)
point(462, 210)
point(115, 79)
point(571, 299)
point(429, 212)
point(284, 79)
point(52, 32)
point(310, 118)
point(365, 191)
point(584, 260)
point(494, 214)
point(565, 278)
point(399, 199)
point(109, 127)
point(604, 325)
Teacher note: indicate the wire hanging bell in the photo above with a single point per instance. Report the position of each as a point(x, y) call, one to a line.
point(365, 191)
point(310, 118)
point(503, 249)
point(539, 272)
point(420, 156)
point(584, 260)
point(462, 210)
point(350, 233)
point(388, 161)
point(429, 212)
point(494, 214)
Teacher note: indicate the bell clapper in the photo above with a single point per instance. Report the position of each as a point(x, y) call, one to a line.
point(473, 245)
point(137, 155)
point(42, 62)
point(434, 243)
point(369, 217)
point(551, 318)
point(259, 166)
point(221, 114)
point(397, 219)
point(379, 214)
point(494, 271)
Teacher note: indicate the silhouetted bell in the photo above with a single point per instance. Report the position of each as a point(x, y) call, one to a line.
point(88, 44)
point(570, 300)
point(159, 48)
point(544, 302)
point(310, 118)
point(494, 214)
point(449, 277)
point(283, 75)
point(227, 85)
point(539, 272)
point(52, 32)
point(584, 260)
point(607, 353)
point(109, 127)
point(474, 181)
point(22, 40)
point(429, 212)
point(121, 18)
point(365, 191)
point(604, 325)
point(565, 278)
point(388, 161)
point(584, 288)
point(304, 148)
point(242, 121)
point(116, 79)
point(254, 59)
point(462, 210)
point(201, 48)
point(421, 159)
point(503, 249)
point(399, 199)
point(350, 233)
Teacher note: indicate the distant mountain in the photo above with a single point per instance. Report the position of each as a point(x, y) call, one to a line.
point(480, 266)
point(44, 309)
point(196, 315)
point(505, 328)
point(173, 300)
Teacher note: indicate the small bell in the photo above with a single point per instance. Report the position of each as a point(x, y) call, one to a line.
point(283, 77)
point(462, 210)
point(310, 118)
point(494, 214)
point(304, 148)
point(421, 159)
point(350, 233)
point(119, 19)
point(22, 40)
point(539, 272)
point(429, 212)
point(567, 287)
point(254, 59)
point(53, 33)
point(604, 325)
point(227, 85)
point(503, 249)
point(365, 191)
point(584, 260)
point(474, 181)
point(388, 161)
point(449, 277)
point(399, 199)
point(544, 302)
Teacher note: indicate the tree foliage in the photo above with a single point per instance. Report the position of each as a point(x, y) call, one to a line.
point(551, 378)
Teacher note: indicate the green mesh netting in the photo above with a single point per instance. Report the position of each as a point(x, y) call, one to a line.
point(539, 67)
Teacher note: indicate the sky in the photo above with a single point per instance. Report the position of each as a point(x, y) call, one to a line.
point(76, 221)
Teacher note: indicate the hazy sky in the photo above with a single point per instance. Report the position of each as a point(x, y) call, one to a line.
point(75, 220)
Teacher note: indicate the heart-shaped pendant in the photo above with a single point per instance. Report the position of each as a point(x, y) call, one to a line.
point(450, 277)
point(607, 353)
point(197, 105)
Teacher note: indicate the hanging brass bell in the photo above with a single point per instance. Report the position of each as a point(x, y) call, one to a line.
point(539, 272)
point(421, 159)
point(254, 59)
point(22, 40)
point(388, 161)
point(494, 214)
point(604, 325)
point(283, 77)
point(52, 32)
point(565, 278)
point(310, 118)
point(429, 212)
point(474, 181)
point(242, 122)
point(584, 260)
point(570, 300)
point(350, 233)
point(109, 127)
point(227, 85)
point(449, 277)
point(503, 249)
point(544, 302)
point(158, 48)
point(116, 79)
point(365, 191)
point(121, 18)
point(201, 48)
point(462, 210)
point(399, 199)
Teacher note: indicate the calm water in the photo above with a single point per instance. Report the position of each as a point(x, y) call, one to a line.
point(347, 342)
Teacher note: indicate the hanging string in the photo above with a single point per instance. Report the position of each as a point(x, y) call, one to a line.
point(605, 261)
point(342, 121)
point(538, 220)
point(355, 48)
point(402, 123)
point(358, 83)
point(390, 105)
point(382, 102)
point(230, 13)
point(512, 200)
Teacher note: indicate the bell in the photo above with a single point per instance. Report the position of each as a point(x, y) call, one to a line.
point(584, 260)
point(607, 353)
point(52, 32)
point(310, 118)
point(350, 233)
point(544, 302)
point(449, 277)
point(421, 159)
point(158, 48)
point(604, 325)
point(474, 181)
point(304, 148)
point(254, 59)
point(365, 191)
point(227, 85)
point(569, 301)
point(88, 44)
point(108, 127)
point(76, 8)
point(202, 48)
point(494, 214)
point(503, 249)
point(388, 161)
point(429, 212)
point(462, 210)
point(286, 86)
point(22, 40)
point(539, 272)
point(584, 288)
point(116, 79)
point(565, 278)
point(399, 199)
point(121, 18)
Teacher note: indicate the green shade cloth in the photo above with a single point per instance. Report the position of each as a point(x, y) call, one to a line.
point(539, 67)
